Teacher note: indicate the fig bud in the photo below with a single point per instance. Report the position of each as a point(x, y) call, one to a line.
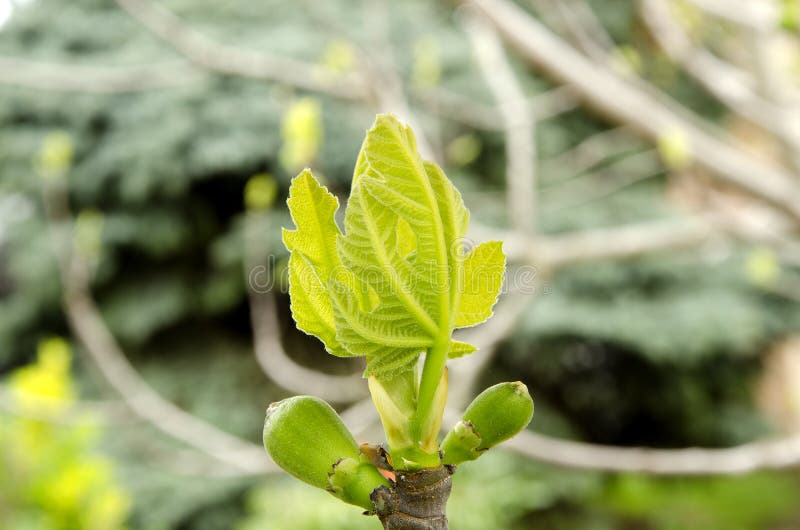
point(497, 414)
point(307, 439)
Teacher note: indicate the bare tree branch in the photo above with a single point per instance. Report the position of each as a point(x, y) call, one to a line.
point(465, 110)
point(590, 152)
point(579, 20)
point(646, 113)
point(776, 92)
point(758, 16)
point(284, 371)
point(602, 182)
point(766, 454)
point(224, 59)
point(730, 85)
point(517, 122)
point(143, 400)
point(62, 77)
point(87, 323)
point(553, 252)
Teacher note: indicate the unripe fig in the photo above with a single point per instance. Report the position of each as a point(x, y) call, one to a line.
point(497, 414)
point(307, 439)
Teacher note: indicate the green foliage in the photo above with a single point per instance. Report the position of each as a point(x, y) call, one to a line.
point(711, 504)
point(51, 477)
point(167, 169)
point(668, 309)
point(396, 282)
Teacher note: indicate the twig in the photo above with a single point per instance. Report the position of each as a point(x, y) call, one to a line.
point(624, 242)
point(730, 85)
point(620, 171)
point(518, 123)
point(590, 35)
point(775, 91)
point(283, 370)
point(465, 110)
point(757, 16)
point(63, 77)
point(144, 401)
point(767, 454)
point(88, 325)
point(224, 59)
point(641, 109)
point(553, 252)
point(588, 153)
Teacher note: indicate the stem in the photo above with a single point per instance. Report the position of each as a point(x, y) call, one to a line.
point(432, 371)
point(417, 501)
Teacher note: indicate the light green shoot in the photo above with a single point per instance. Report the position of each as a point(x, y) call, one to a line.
point(395, 283)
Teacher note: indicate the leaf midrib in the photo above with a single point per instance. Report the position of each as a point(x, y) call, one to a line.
point(411, 303)
point(422, 176)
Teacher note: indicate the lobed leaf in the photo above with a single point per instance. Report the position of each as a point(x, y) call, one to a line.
point(483, 277)
point(313, 258)
point(396, 281)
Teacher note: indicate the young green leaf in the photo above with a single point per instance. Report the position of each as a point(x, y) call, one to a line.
point(396, 283)
point(483, 277)
point(314, 258)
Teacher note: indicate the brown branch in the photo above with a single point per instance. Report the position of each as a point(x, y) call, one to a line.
point(644, 110)
point(416, 501)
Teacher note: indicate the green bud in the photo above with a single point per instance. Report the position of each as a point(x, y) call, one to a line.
point(790, 15)
point(55, 155)
point(354, 480)
point(395, 400)
point(308, 440)
point(89, 234)
point(260, 192)
point(497, 414)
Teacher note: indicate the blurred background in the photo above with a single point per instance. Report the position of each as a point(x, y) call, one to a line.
point(640, 159)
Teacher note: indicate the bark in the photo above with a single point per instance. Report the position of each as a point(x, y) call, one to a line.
point(415, 501)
